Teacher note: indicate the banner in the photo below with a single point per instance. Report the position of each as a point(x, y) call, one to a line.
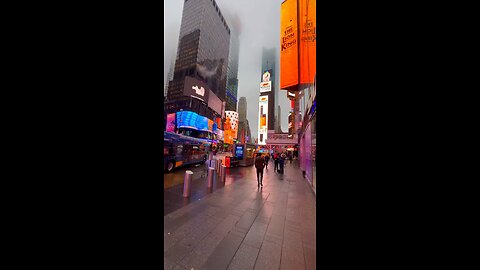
point(288, 44)
point(262, 119)
point(308, 40)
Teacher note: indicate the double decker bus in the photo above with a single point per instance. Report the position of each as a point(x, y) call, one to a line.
point(180, 150)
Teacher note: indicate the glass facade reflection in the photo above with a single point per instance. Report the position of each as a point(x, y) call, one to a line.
point(232, 74)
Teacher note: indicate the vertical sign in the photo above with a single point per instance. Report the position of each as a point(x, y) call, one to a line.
point(231, 126)
point(262, 119)
point(170, 122)
point(288, 44)
point(308, 40)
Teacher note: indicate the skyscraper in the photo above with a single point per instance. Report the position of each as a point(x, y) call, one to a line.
point(202, 58)
point(278, 118)
point(169, 78)
point(267, 91)
point(268, 64)
point(244, 134)
point(232, 74)
point(242, 109)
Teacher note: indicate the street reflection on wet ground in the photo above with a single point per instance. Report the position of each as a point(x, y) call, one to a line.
point(173, 183)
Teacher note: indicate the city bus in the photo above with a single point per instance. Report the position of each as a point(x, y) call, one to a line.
point(180, 150)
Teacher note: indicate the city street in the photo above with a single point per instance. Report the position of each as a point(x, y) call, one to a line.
point(236, 225)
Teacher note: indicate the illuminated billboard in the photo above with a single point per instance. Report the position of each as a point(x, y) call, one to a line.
point(288, 44)
point(202, 123)
point(170, 122)
point(188, 119)
point(219, 133)
point(231, 126)
point(262, 119)
point(308, 40)
point(265, 87)
point(196, 88)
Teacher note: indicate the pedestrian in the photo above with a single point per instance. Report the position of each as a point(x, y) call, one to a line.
point(275, 160)
point(259, 164)
point(282, 162)
point(267, 158)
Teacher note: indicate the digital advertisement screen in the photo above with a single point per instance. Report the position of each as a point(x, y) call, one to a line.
point(202, 123)
point(187, 119)
point(231, 126)
point(239, 151)
point(170, 122)
point(262, 119)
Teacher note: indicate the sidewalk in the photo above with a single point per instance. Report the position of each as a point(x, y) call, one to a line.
point(239, 226)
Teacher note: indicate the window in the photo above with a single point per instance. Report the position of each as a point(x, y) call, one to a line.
point(179, 149)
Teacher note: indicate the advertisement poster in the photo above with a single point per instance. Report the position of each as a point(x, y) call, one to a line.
point(308, 40)
point(262, 119)
point(288, 44)
point(170, 122)
point(265, 87)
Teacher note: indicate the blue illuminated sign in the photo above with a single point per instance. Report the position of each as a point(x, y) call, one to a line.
point(188, 119)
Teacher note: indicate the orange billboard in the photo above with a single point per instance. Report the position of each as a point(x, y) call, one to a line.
point(288, 44)
point(231, 126)
point(308, 40)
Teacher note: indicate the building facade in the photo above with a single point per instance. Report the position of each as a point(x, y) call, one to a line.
point(266, 105)
point(278, 120)
point(244, 134)
point(202, 54)
point(232, 74)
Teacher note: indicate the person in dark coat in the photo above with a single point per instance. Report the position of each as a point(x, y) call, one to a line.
point(275, 159)
point(267, 158)
point(281, 161)
point(259, 164)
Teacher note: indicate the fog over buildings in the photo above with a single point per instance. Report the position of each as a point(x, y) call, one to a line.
point(257, 25)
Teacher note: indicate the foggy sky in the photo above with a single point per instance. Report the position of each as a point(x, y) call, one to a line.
point(259, 23)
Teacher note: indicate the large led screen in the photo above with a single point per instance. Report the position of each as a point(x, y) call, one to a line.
point(187, 119)
point(170, 122)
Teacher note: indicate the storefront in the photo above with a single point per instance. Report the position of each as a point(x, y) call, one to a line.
point(307, 135)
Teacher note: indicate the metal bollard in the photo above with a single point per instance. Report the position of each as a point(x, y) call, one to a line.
point(187, 183)
point(219, 168)
point(210, 176)
point(224, 172)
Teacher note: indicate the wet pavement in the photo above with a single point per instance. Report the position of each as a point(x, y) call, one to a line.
point(236, 225)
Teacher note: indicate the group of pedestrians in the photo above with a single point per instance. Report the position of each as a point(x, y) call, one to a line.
point(262, 162)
